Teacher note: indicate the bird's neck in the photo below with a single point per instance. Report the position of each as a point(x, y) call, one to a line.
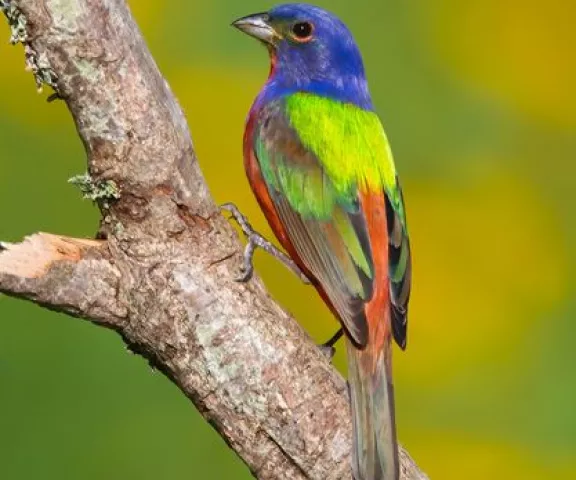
point(346, 88)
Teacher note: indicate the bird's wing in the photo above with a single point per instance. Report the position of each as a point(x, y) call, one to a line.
point(326, 227)
point(315, 158)
point(399, 262)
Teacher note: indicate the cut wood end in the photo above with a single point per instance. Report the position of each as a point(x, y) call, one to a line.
point(35, 254)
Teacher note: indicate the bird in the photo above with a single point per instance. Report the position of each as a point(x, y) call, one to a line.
point(320, 166)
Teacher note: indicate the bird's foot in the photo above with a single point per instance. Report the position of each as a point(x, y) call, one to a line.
point(328, 348)
point(255, 240)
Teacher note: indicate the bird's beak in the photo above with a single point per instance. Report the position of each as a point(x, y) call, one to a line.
point(257, 26)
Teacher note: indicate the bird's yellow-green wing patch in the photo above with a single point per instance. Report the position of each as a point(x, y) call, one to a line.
point(349, 142)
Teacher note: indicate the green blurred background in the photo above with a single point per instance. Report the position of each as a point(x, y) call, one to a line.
point(479, 102)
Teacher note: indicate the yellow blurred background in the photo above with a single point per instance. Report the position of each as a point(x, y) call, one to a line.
point(479, 101)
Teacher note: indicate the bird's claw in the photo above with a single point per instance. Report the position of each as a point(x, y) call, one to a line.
point(255, 240)
point(247, 267)
point(246, 275)
point(328, 349)
point(241, 220)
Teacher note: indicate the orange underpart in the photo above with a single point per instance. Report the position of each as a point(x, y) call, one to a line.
point(378, 308)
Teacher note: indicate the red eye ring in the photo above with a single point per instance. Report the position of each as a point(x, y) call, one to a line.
point(302, 32)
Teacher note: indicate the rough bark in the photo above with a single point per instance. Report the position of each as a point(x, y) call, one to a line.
point(162, 272)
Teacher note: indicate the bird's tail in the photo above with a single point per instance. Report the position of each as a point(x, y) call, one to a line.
point(375, 451)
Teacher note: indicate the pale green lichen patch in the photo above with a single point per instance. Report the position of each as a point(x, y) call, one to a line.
point(103, 192)
point(88, 70)
point(65, 14)
point(16, 20)
point(35, 62)
point(40, 68)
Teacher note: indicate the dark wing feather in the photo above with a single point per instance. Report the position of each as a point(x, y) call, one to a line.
point(399, 264)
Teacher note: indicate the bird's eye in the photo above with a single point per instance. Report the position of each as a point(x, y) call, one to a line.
point(302, 31)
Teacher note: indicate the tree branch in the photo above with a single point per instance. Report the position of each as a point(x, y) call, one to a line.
point(164, 275)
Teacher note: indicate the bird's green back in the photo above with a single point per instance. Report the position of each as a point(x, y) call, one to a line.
point(349, 142)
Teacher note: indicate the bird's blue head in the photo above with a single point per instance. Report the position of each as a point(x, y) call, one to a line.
point(311, 51)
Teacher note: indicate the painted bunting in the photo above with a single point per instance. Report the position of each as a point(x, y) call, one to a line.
point(321, 168)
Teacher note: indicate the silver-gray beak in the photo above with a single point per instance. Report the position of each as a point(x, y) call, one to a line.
point(256, 26)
